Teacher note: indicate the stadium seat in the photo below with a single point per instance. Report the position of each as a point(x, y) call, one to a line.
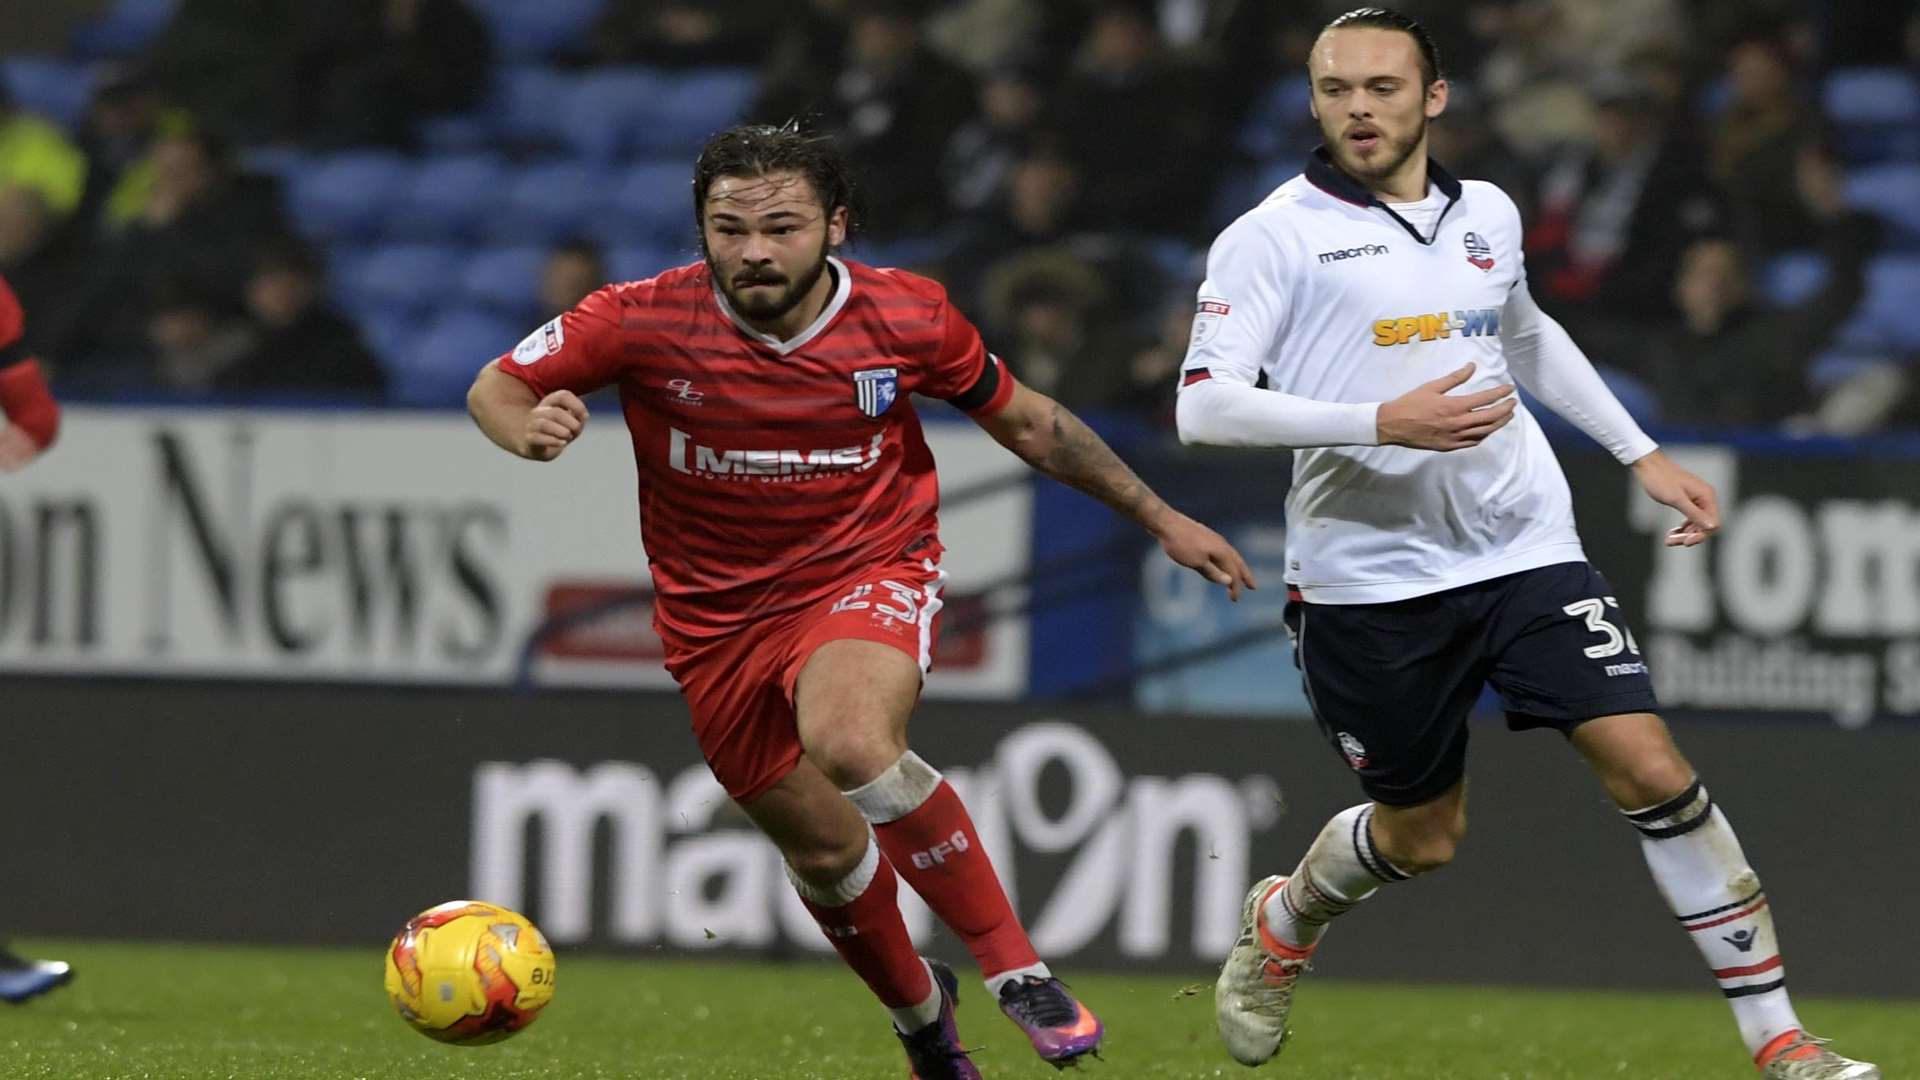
point(606, 108)
point(1793, 277)
point(541, 27)
point(1872, 95)
point(281, 162)
point(1884, 320)
point(436, 367)
point(651, 204)
point(640, 263)
point(698, 103)
point(458, 133)
point(548, 202)
point(388, 335)
point(532, 104)
point(402, 279)
point(1876, 112)
point(124, 31)
point(504, 280)
point(347, 196)
point(450, 197)
point(1276, 120)
point(1893, 192)
point(52, 87)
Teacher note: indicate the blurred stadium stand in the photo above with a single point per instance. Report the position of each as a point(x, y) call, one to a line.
point(562, 147)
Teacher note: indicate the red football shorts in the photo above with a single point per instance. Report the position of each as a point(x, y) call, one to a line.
point(740, 687)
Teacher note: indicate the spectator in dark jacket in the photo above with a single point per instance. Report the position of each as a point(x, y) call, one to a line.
point(1614, 218)
point(1730, 361)
point(891, 104)
point(382, 66)
point(1138, 126)
point(303, 345)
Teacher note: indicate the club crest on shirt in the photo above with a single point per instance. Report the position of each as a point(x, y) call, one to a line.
point(875, 389)
point(1207, 316)
point(1353, 749)
point(1479, 252)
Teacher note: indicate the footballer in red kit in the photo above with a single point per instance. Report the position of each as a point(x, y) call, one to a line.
point(789, 510)
point(32, 420)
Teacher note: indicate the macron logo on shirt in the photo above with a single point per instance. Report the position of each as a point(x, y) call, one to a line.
point(1352, 253)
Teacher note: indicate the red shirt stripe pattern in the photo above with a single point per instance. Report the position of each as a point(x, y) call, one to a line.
point(770, 472)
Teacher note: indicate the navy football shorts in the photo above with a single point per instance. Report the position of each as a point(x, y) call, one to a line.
point(1391, 684)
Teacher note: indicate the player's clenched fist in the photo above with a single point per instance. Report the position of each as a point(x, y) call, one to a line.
point(556, 421)
point(1429, 418)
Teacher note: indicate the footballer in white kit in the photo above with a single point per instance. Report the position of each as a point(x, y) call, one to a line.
point(1431, 548)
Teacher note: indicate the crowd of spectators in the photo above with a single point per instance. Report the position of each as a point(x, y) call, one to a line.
point(1060, 166)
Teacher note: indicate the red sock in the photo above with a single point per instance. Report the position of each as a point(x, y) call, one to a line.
point(937, 850)
point(872, 938)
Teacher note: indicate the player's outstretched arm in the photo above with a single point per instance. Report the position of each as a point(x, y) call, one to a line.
point(1047, 436)
point(520, 423)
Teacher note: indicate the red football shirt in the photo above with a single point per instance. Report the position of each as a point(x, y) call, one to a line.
point(770, 472)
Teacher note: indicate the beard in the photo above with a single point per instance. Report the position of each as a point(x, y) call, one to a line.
point(761, 307)
point(1386, 160)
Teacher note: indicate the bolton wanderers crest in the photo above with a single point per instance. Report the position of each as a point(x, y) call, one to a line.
point(1479, 252)
point(875, 389)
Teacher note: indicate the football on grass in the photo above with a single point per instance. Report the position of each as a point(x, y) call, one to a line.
point(469, 973)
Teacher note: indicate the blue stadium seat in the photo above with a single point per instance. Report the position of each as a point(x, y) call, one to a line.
point(435, 367)
point(698, 103)
point(388, 334)
point(449, 198)
point(1884, 320)
point(1893, 192)
point(1830, 368)
point(1876, 112)
point(281, 162)
point(504, 280)
point(640, 263)
point(651, 204)
point(549, 202)
point(606, 108)
point(347, 195)
point(55, 88)
point(127, 29)
point(458, 133)
point(1788, 279)
point(1872, 95)
point(401, 279)
point(1274, 124)
point(540, 26)
point(532, 104)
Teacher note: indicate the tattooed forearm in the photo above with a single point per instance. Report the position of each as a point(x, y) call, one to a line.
point(1065, 448)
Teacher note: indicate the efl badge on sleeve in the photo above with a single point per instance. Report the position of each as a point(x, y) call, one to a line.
point(542, 343)
point(1207, 316)
point(1479, 252)
point(875, 389)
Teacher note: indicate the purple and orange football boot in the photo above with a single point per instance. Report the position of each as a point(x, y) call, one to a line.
point(1061, 1029)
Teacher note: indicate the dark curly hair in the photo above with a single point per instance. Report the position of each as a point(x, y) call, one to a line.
point(761, 149)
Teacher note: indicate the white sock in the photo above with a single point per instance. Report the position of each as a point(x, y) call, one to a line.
point(914, 1017)
point(1000, 979)
point(1341, 869)
point(1698, 865)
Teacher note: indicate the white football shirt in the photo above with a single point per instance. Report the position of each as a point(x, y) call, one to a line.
point(1344, 302)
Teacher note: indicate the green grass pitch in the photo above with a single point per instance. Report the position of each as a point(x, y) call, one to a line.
point(154, 1012)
